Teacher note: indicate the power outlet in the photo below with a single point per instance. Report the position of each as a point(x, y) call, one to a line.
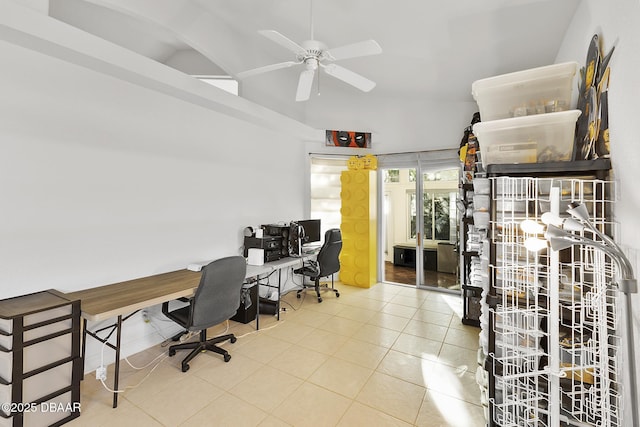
point(145, 316)
point(101, 373)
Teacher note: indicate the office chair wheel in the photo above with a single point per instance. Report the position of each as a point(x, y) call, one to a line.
point(319, 299)
point(233, 339)
point(298, 296)
point(337, 294)
point(227, 357)
point(172, 352)
point(185, 368)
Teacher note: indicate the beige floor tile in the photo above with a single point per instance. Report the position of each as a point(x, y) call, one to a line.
point(459, 383)
point(323, 341)
point(263, 348)
point(341, 325)
point(361, 353)
point(426, 330)
point(362, 302)
point(358, 314)
point(467, 337)
point(361, 415)
point(382, 293)
point(389, 321)
point(407, 367)
point(175, 404)
point(409, 301)
point(458, 357)
point(416, 294)
point(227, 375)
point(331, 308)
point(439, 306)
point(399, 310)
point(439, 410)
point(376, 335)
point(299, 361)
point(456, 322)
point(143, 385)
point(418, 346)
point(310, 317)
point(289, 331)
point(272, 421)
point(227, 410)
point(393, 396)
point(437, 318)
point(342, 377)
point(267, 388)
point(126, 415)
point(312, 406)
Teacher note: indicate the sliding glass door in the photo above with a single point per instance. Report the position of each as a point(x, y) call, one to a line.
point(418, 226)
point(440, 229)
point(399, 226)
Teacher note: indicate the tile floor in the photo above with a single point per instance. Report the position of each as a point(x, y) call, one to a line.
point(386, 356)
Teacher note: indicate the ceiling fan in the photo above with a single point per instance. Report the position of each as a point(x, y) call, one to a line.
point(313, 54)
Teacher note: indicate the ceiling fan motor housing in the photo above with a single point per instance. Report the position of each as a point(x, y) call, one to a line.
point(313, 49)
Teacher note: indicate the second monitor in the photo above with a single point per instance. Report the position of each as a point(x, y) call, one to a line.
point(311, 230)
point(301, 233)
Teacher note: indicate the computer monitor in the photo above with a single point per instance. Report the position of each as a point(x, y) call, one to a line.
point(311, 229)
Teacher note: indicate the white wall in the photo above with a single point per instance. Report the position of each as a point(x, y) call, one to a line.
point(617, 25)
point(103, 180)
point(402, 124)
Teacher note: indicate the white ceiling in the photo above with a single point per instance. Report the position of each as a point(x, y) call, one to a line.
point(431, 49)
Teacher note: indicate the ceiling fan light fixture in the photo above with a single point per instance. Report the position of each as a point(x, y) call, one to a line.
point(311, 64)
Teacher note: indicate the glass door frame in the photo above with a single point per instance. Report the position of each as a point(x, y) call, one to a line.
point(408, 163)
point(382, 232)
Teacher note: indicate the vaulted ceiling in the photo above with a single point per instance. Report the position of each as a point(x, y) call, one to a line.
point(431, 49)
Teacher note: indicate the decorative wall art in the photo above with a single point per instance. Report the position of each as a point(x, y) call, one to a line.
point(343, 138)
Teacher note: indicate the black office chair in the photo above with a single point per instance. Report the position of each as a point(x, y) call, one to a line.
point(327, 263)
point(217, 299)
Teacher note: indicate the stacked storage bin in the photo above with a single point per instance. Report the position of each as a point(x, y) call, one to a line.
point(358, 255)
point(525, 115)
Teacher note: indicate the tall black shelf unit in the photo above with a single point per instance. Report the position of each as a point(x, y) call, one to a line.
point(471, 295)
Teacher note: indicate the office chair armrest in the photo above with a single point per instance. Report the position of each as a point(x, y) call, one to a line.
point(165, 305)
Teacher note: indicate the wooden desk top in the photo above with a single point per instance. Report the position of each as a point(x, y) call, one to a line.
point(121, 298)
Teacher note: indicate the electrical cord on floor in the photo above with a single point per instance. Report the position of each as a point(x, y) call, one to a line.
point(110, 390)
point(163, 356)
point(162, 359)
point(261, 330)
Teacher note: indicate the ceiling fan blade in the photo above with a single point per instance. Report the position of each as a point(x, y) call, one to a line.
point(266, 69)
point(304, 85)
point(348, 76)
point(365, 48)
point(283, 41)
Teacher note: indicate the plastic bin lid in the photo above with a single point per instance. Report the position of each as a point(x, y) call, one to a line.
point(520, 77)
point(525, 121)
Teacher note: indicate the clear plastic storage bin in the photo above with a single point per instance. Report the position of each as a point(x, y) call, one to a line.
point(531, 139)
point(538, 90)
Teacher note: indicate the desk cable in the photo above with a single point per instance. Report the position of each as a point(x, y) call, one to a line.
point(162, 356)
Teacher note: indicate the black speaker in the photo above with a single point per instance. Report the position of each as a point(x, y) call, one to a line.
point(268, 306)
point(244, 314)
